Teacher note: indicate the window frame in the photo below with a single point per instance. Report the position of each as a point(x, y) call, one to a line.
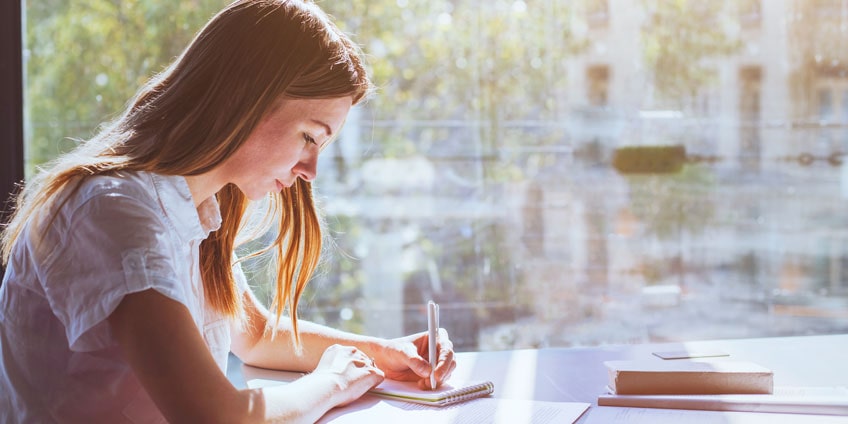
point(11, 104)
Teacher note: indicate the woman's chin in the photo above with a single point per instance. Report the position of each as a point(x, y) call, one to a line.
point(256, 195)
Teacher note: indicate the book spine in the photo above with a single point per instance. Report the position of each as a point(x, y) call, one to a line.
point(646, 383)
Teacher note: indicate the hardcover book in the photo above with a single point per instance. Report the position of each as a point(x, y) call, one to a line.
point(652, 377)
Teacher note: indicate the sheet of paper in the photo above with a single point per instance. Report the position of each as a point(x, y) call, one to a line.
point(687, 354)
point(798, 400)
point(610, 415)
point(371, 409)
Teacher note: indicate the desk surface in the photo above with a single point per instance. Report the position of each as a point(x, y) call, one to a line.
point(579, 375)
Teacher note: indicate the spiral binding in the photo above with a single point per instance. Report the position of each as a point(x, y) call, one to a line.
point(467, 393)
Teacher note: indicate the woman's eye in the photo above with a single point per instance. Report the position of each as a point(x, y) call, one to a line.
point(309, 139)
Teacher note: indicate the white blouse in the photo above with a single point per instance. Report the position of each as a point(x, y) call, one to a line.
point(113, 236)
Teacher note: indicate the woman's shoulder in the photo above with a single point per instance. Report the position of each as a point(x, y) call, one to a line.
point(94, 197)
point(119, 207)
point(134, 184)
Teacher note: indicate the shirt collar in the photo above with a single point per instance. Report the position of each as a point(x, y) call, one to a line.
point(190, 222)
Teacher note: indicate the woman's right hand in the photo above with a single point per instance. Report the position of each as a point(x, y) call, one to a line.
point(352, 371)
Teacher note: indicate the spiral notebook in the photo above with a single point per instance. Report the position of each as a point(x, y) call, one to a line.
point(446, 394)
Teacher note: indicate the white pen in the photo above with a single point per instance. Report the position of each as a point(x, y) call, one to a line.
point(432, 338)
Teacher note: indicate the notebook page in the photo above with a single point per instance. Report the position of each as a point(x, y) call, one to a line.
point(477, 411)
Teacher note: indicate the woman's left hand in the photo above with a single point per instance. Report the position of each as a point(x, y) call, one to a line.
point(407, 359)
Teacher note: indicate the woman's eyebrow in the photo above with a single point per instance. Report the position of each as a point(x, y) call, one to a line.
point(327, 128)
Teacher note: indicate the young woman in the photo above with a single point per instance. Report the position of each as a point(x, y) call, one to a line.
point(122, 296)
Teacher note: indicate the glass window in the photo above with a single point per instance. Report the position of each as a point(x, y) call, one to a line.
point(825, 104)
point(844, 107)
point(598, 86)
point(667, 177)
point(750, 13)
point(597, 12)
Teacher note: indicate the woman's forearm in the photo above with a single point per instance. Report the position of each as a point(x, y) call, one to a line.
point(275, 350)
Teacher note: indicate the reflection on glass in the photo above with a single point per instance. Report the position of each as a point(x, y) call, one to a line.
point(482, 175)
point(825, 104)
point(844, 107)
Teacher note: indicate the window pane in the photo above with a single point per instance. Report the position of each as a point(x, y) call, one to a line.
point(554, 173)
point(825, 104)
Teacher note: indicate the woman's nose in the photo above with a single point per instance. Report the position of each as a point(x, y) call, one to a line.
point(307, 168)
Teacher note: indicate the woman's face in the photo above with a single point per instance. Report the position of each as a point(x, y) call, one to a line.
point(285, 145)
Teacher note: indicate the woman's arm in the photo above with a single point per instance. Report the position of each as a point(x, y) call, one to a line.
point(401, 359)
point(162, 344)
point(275, 350)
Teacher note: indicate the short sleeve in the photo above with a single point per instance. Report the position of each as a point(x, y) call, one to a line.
point(114, 245)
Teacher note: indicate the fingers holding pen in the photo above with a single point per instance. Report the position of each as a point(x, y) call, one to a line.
point(447, 362)
point(408, 359)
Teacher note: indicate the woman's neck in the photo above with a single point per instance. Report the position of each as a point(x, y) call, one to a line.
point(202, 187)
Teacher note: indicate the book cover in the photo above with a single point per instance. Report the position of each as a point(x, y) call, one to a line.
point(446, 394)
point(652, 377)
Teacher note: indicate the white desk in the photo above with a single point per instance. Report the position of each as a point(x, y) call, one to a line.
point(578, 375)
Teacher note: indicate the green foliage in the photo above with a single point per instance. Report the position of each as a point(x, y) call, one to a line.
point(86, 59)
point(461, 61)
point(679, 38)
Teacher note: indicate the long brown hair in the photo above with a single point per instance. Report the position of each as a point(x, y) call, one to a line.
point(195, 114)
